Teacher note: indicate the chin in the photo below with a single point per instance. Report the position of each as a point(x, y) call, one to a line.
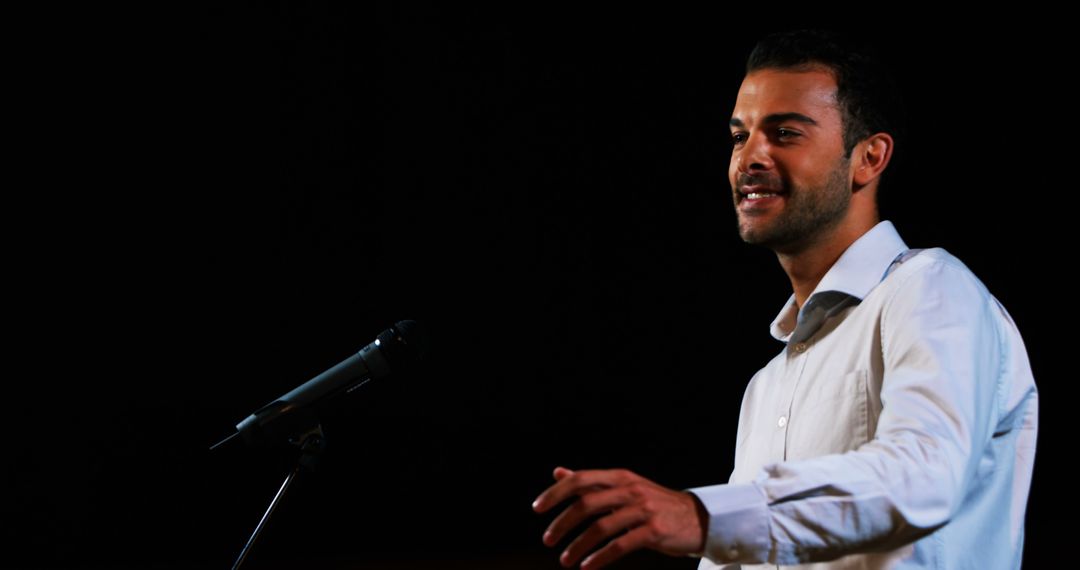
point(750, 236)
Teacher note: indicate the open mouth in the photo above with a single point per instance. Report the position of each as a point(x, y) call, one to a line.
point(759, 196)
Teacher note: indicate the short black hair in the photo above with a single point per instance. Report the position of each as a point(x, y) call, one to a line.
point(866, 88)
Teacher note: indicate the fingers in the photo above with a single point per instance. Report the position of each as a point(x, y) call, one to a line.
point(601, 530)
point(586, 506)
point(649, 515)
point(575, 483)
point(598, 491)
point(634, 540)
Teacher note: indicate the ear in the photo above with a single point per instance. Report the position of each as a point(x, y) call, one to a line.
point(871, 156)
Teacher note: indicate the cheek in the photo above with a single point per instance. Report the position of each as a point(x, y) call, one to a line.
point(814, 168)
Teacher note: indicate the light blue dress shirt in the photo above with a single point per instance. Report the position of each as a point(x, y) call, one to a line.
point(896, 429)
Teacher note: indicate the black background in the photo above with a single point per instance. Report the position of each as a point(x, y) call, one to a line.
point(228, 202)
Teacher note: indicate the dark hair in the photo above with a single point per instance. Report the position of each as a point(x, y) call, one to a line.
point(867, 92)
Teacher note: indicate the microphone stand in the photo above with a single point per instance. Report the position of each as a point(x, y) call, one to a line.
point(311, 446)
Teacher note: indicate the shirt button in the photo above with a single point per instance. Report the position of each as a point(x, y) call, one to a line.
point(782, 421)
point(800, 347)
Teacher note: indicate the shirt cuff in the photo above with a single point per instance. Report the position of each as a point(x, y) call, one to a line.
point(738, 522)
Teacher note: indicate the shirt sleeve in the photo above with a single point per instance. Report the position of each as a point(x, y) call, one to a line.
point(941, 353)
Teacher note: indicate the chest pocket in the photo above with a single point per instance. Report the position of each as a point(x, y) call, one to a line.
point(829, 415)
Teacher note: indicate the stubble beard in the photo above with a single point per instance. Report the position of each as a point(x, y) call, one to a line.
point(808, 213)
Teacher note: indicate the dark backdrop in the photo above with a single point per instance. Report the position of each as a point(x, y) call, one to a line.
point(267, 188)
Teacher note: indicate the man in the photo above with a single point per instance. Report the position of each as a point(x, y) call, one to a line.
point(897, 427)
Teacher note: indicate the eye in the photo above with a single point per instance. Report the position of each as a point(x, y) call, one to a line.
point(785, 133)
point(781, 133)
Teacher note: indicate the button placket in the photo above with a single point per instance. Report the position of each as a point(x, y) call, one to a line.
point(785, 413)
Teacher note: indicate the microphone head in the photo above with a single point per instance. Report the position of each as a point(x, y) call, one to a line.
point(404, 344)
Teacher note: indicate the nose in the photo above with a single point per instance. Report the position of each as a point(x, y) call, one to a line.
point(754, 154)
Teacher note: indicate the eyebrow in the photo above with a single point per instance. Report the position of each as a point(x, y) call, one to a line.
point(778, 118)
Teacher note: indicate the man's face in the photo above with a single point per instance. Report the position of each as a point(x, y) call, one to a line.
point(788, 146)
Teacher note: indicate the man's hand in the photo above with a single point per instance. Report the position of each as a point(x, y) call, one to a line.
point(654, 517)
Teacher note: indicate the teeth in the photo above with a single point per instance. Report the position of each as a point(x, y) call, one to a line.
point(756, 195)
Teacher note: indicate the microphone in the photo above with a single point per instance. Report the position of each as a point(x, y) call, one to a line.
point(395, 350)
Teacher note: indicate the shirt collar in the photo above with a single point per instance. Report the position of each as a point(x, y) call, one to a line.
point(858, 270)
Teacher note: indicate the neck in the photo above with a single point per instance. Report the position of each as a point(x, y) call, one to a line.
point(806, 265)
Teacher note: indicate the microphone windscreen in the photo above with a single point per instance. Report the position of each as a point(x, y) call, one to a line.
point(404, 344)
